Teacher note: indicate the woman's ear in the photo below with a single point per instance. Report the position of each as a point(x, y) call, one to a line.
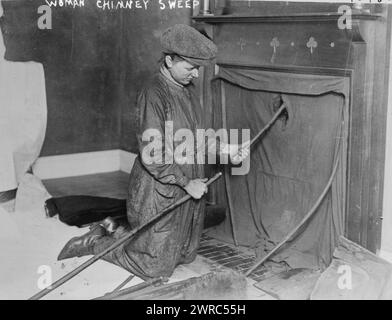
point(168, 61)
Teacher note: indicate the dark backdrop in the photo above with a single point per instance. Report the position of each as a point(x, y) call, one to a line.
point(95, 61)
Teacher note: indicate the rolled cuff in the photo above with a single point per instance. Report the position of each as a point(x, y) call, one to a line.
point(182, 181)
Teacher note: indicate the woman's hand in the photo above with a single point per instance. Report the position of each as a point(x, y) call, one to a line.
point(197, 188)
point(237, 152)
point(241, 154)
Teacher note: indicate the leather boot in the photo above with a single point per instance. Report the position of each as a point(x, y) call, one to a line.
point(83, 245)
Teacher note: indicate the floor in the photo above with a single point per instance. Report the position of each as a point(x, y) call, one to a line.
point(212, 253)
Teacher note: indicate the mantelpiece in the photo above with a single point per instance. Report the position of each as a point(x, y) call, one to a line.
point(312, 43)
point(298, 17)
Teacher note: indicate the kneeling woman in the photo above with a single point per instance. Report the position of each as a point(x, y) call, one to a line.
point(154, 185)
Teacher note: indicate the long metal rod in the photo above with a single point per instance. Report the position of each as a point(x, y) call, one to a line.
point(89, 262)
point(122, 284)
point(269, 124)
point(116, 244)
point(135, 288)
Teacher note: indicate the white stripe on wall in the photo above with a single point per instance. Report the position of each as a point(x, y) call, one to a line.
point(78, 164)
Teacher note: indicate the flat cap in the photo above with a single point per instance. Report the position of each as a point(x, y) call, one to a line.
point(188, 43)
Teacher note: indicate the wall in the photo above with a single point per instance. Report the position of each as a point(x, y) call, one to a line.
point(95, 62)
point(80, 55)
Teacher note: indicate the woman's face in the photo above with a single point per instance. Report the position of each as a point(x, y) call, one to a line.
point(182, 71)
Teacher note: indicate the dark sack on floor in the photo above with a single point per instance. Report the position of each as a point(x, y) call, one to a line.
point(82, 210)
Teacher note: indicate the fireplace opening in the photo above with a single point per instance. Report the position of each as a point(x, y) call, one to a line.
point(291, 164)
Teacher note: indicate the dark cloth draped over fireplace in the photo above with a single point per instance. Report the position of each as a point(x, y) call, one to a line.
point(290, 165)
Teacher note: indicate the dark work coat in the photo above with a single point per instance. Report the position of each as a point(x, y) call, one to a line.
point(175, 238)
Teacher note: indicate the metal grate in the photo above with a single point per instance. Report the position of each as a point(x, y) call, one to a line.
point(230, 257)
